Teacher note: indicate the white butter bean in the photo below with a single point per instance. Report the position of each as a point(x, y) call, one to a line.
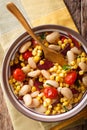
point(35, 103)
point(75, 50)
point(25, 47)
point(53, 37)
point(27, 99)
point(52, 83)
point(35, 73)
point(24, 90)
point(32, 62)
point(45, 73)
point(84, 80)
point(70, 56)
point(55, 47)
point(41, 109)
point(83, 66)
point(26, 69)
point(34, 94)
point(66, 92)
point(31, 82)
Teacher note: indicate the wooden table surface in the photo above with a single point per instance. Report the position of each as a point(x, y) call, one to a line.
point(78, 11)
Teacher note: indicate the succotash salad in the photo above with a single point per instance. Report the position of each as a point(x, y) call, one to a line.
point(44, 86)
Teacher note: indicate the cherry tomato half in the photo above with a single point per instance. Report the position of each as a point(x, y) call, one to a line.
point(50, 92)
point(27, 54)
point(70, 77)
point(18, 74)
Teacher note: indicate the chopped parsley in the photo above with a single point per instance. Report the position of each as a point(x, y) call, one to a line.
point(66, 67)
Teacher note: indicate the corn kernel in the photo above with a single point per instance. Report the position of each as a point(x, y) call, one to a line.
point(33, 89)
point(78, 60)
point(22, 64)
point(18, 88)
point(67, 85)
point(83, 54)
point(59, 67)
point(65, 103)
point(55, 68)
point(43, 97)
point(39, 47)
point(11, 63)
point(39, 53)
point(34, 53)
point(72, 44)
point(47, 112)
point(82, 88)
point(81, 72)
point(59, 42)
point(57, 109)
point(83, 59)
point(65, 41)
point(10, 81)
point(45, 104)
point(40, 95)
point(80, 96)
point(21, 58)
point(41, 62)
point(69, 40)
point(50, 106)
point(13, 80)
point(38, 98)
point(72, 63)
point(15, 92)
point(62, 110)
point(40, 78)
point(57, 78)
point(46, 44)
point(61, 84)
point(75, 66)
point(48, 100)
point(52, 77)
point(36, 58)
point(63, 46)
point(53, 112)
point(61, 75)
point(75, 100)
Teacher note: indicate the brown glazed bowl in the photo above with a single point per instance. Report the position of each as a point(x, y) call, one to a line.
point(6, 72)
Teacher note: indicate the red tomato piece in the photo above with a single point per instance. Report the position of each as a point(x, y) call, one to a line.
point(50, 92)
point(27, 54)
point(18, 74)
point(70, 77)
point(34, 43)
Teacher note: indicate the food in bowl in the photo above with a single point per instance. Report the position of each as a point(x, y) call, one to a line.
point(46, 87)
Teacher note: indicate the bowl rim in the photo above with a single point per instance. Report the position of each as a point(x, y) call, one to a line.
point(28, 112)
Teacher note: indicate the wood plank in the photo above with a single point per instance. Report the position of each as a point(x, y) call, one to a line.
point(5, 121)
point(84, 18)
point(74, 7)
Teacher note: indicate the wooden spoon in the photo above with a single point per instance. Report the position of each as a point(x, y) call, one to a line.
point(48, 53)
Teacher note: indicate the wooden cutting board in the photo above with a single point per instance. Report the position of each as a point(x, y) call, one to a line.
point(79, 116)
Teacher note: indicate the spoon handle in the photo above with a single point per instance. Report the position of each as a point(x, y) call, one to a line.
point(16, 12)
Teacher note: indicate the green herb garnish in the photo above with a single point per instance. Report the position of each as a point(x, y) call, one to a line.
point(40, 86)
point(49, 84)
point(77, 83)
point(42, 36)
point(64, 107)
point(66, 67)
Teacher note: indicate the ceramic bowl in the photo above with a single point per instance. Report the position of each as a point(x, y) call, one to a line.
point(6, 72)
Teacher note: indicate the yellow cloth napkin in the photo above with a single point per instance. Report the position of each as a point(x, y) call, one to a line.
point(37, 12)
